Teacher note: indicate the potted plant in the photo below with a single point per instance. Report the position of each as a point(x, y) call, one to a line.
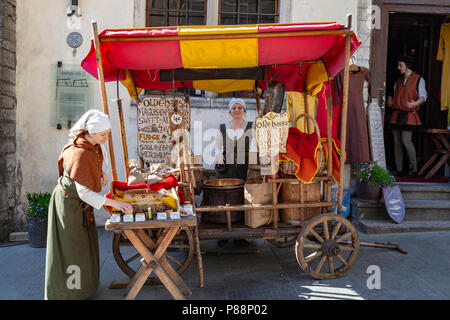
point(37, 216)
point(371, 178)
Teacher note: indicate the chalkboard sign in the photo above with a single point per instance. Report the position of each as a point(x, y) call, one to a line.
point(376, 133)
point(154, 126)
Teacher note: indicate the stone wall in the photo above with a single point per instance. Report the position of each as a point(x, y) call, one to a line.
point(9, 170)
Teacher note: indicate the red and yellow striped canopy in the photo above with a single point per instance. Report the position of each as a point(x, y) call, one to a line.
point(141, 53)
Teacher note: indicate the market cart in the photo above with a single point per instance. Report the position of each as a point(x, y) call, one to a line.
point(231, 58)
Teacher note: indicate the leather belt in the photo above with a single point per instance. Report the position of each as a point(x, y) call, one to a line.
point(87, 210)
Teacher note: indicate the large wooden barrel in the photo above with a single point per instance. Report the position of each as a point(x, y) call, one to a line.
point(290, 192)
point(221, 192)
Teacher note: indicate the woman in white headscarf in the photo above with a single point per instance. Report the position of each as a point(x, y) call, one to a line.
point(234, 143)
point(72, 258)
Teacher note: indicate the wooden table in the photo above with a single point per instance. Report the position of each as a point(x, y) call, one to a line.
point(442, 144)
point(154, 253)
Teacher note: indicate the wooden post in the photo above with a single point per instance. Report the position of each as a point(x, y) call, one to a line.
point(124, 138)
point(101, 81)
point(344, 118)
point(329, 143)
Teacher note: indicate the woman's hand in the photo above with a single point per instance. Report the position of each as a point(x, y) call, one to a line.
point(123, 206)
point(119, 205)
point(220, 159)
point(104, 179)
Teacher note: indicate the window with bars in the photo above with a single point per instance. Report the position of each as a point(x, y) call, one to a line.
point(161, 13)
point(248, 11)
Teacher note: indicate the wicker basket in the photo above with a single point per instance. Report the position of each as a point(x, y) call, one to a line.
point(143, 207)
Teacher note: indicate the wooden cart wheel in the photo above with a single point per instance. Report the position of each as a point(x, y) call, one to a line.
point(283, 242)
point(179, 253)
point(327, 246)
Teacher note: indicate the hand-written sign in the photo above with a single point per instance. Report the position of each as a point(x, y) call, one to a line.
point(154, 126)
point(376, 133)
point(271, 133)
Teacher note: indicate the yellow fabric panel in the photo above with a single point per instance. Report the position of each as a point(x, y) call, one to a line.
point(223, 53)
point(128, 83)
point(443, 54)
point(196, 30)
point(298, 103)
point(316, 76)
point(224, 85)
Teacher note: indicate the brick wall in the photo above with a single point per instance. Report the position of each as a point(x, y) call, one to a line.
point(8, 166)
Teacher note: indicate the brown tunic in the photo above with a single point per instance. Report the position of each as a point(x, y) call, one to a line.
point(403, 94)
point(83, 162)
point(357, 142)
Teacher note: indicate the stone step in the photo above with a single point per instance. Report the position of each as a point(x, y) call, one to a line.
point(415, 210)
point(425, 191)
point(389, 226)
point(18, 236)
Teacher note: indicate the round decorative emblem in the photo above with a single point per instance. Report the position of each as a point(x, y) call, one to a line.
point(176, 119)
point(74, 39)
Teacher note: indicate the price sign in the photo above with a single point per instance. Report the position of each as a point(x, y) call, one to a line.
point(157, 119)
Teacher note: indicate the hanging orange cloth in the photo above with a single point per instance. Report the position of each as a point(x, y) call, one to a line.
point(302, 149)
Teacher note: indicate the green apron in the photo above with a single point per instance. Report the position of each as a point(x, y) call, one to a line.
point(72, 269)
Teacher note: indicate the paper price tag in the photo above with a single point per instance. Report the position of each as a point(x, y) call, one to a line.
point(115, 218)
point(175, 215)
point(128, 218)
point(161, 216)
point(140, 217)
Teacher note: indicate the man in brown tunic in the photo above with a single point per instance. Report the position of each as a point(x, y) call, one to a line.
point(409, 94)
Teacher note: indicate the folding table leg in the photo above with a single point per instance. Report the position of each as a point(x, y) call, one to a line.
point(150, 263)
point(138, 282)
point(137, 276)
point(174, 276)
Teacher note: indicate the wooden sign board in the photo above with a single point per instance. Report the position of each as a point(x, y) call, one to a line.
point(155, 127)
point(376, 136)
point(393, 201)
point(272, 131)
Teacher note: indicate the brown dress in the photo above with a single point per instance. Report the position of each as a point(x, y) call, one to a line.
point(357, 142)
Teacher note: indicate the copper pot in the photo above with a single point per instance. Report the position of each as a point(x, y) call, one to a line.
point(226, 183)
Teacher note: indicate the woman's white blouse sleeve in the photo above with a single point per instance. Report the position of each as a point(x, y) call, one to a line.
point(92, 198)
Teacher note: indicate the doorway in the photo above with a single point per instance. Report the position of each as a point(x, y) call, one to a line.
point(416, 35)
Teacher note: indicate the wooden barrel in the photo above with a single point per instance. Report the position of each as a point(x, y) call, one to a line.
point(290, 192)
point(221, 192)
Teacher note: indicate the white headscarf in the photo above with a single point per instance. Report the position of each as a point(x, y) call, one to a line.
point(93, 121)
point(234, 101)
